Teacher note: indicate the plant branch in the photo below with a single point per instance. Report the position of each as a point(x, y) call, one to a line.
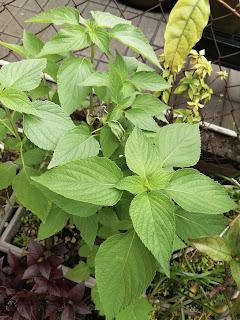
point(234, 11)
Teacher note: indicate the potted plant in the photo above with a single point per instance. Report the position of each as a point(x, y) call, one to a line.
point(124, 181)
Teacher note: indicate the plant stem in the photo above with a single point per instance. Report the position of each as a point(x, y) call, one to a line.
point(91, 93)
point(14, 128)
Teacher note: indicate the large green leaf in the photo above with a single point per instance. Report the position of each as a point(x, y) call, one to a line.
point(153, 219)
point(147, 80)
point(16, 100)
point(60, 15)
point(184, 29)
point(89, 180)
point(139, 310)
point(179, 145)
point(124, 269)
point(70, 77)
point(55, 222)
point(215, 247)
point(32, 44)
point(23, 75)
point(141, 155)
point(7, 174)
point(107, 20)
point(48, 126)
point(193, 225)
point(70, 38)
point(29, 196)
point(88, 228)
point(136, 40)
point(77, 143)
point(196, 192)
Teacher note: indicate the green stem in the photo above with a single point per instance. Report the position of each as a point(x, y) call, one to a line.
point(14, 128)
point(91, 93)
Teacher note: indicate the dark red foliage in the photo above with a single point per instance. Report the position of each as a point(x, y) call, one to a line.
point(33, 287)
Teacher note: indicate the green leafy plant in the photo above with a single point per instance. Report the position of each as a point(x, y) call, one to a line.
point(123, 180)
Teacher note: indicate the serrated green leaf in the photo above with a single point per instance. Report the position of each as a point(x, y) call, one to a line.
point(29, 196)
point(179, 145)
point(81, 272)
point(215, 247)
point(97, 79)
point(69, 78)
point(47, 126)
point(98, 36)
point(151, 105)
point(141, 120)
point(136, 40)
point(15, 48)
point(107, 20)
point(153, 219)
point(88, 228)
point(55, 222)
point(68, 39)
point(184, 29)
point(134, 65)
point(60, 15)
point(139, 310)
point(23, 75)
point(147, 80)
point(7, 174)
point(90, 180)
point(235, 270)
point(16, 100)
point(141, 155)
point(108, 142)
point(193, 225)
point(32, 44)
point(159, 179)
point(132, 184)
point(196, 192)
point(76, 144)
point(124, 269)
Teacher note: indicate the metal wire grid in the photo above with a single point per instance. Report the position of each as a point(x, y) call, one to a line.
point(224, 108)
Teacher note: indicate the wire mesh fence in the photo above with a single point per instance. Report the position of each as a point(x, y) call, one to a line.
point(223, 109)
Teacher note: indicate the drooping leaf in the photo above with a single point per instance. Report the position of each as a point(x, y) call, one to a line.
point(147, 80)
point(15, 48)
point(107, 20)
point(88, 228)
point(29, 196)
point(108, 142)
point(193, 225)
point(99, 36)
point(184, 29)
point(70, 77)
point(60, 15)
point(141, 120)
point(179, 145)
point(124, 269)
point(233, 237)
point(153, 219)
point(16, 100)
point(32, 44)
point(196, 192)
point(23, 75)
point(70, 38)
point(141, 155)
point(48, 126)
point(81, 272)
point(139, 310)
point(136, 40)
point(133, 184)
point(55, 222)
point(215, 247)
point(7, 174)
point(76, 144)
point(89, 180)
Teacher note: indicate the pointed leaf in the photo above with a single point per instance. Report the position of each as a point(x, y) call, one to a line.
point(151, 105)
point(196, 192)
point(97, 79)
point(136, 40)
point(147, 80)
point(76, 144)
point(179, 145)
point(7, 174)
point(124, 269)
point(153, 219)
point(88, 228)
point(32, 44)
point(15, 48)
point(107, 20)
point(132, 184)
point(99, 37)
point(141, 120)
point(23, 75)
point(81, 272)
point(48, 126)
point(55, 222)
point(235, 270)
point(215, 247)
point(184, 29)
point(233, 237)
point(139, 310)
point(70, 76)
point(60, 15)
point(89, 180)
